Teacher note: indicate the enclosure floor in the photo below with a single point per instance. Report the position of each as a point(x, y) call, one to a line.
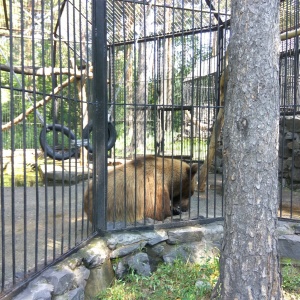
point(44, 210)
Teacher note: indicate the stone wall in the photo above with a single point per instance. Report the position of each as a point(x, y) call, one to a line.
point(93, 268)
point(289, 150)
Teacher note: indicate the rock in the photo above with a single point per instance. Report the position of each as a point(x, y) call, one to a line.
point(157, 240)
point(293, 145)
point(297, 229)
point(94, 261)
point(289, 246)
point(194, 252)
point(100, 278)
point(292, 123)
point(123, 251)
point(203, 285)
point(284, 228)
point(36, 290)
point(124, 239)
point(140, 264)
point(213, 232)
point(284, 165)
point(95, 254)
point(295, 174)
point(76, 294)
point(194, 244)
point(74, 261)
point(158, 250)
point(296, 159)
point(62, 280)
point(121, 268)
point(284, 152)
point(81, 276)
point(149, 235)
point(185, 235)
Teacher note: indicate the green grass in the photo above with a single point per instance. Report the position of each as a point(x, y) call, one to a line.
point(169, 281)
point(177, 281)
point(290, 271)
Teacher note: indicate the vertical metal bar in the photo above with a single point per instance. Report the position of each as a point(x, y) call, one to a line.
point(24, 145)
point(217, 104)
point(145, 45)
point(295, 73)
point(11, 62)
point(133, 112)
point(45, 212)
point(69, 49)
point(37, 216)
point(60, 228)
point(125, 66)
point(192, 134)
point(2, 195)
point(100, 114)
point(284, 104)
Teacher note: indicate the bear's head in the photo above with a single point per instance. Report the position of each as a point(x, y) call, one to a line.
point(181, 202)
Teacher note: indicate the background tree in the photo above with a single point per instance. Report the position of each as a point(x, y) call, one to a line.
point(140, 113)
point(249, 257)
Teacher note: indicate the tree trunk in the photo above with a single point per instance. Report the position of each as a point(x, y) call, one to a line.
point(249, 265)
point(164, 118)
point(140, 114)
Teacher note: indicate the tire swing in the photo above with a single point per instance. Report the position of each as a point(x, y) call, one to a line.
point(111, 134)
point(57, 151)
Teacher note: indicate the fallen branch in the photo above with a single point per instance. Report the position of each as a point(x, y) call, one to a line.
point(46, 71)
point(40, 103)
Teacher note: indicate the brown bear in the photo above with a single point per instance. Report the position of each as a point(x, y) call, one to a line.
point(147, 188)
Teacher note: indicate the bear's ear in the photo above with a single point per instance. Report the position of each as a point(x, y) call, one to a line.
point(194, 169)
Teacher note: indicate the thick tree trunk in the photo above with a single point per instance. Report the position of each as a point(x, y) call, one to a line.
point(249, 257)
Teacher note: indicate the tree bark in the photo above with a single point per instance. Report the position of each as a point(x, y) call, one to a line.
point(249, 265)
point(140, 115)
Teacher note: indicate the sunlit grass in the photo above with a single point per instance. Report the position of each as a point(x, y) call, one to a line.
point(187, 281)
point(179, 280)
point(290, 271)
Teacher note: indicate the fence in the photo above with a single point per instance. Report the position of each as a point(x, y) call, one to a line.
point(45, 74)
point(84, 99)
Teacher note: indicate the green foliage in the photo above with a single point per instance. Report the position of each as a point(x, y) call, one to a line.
point(174, 144)
point(19, 92)
point(291, 276)
point(178, 281)
point(27, 131)
point(169, 281)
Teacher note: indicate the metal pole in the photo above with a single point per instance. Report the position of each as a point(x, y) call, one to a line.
point(100, 114)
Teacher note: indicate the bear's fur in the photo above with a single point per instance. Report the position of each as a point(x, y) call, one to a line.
point(148, 188)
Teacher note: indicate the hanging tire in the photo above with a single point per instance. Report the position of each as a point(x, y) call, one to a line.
point(111, 136)
point(57, 147)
